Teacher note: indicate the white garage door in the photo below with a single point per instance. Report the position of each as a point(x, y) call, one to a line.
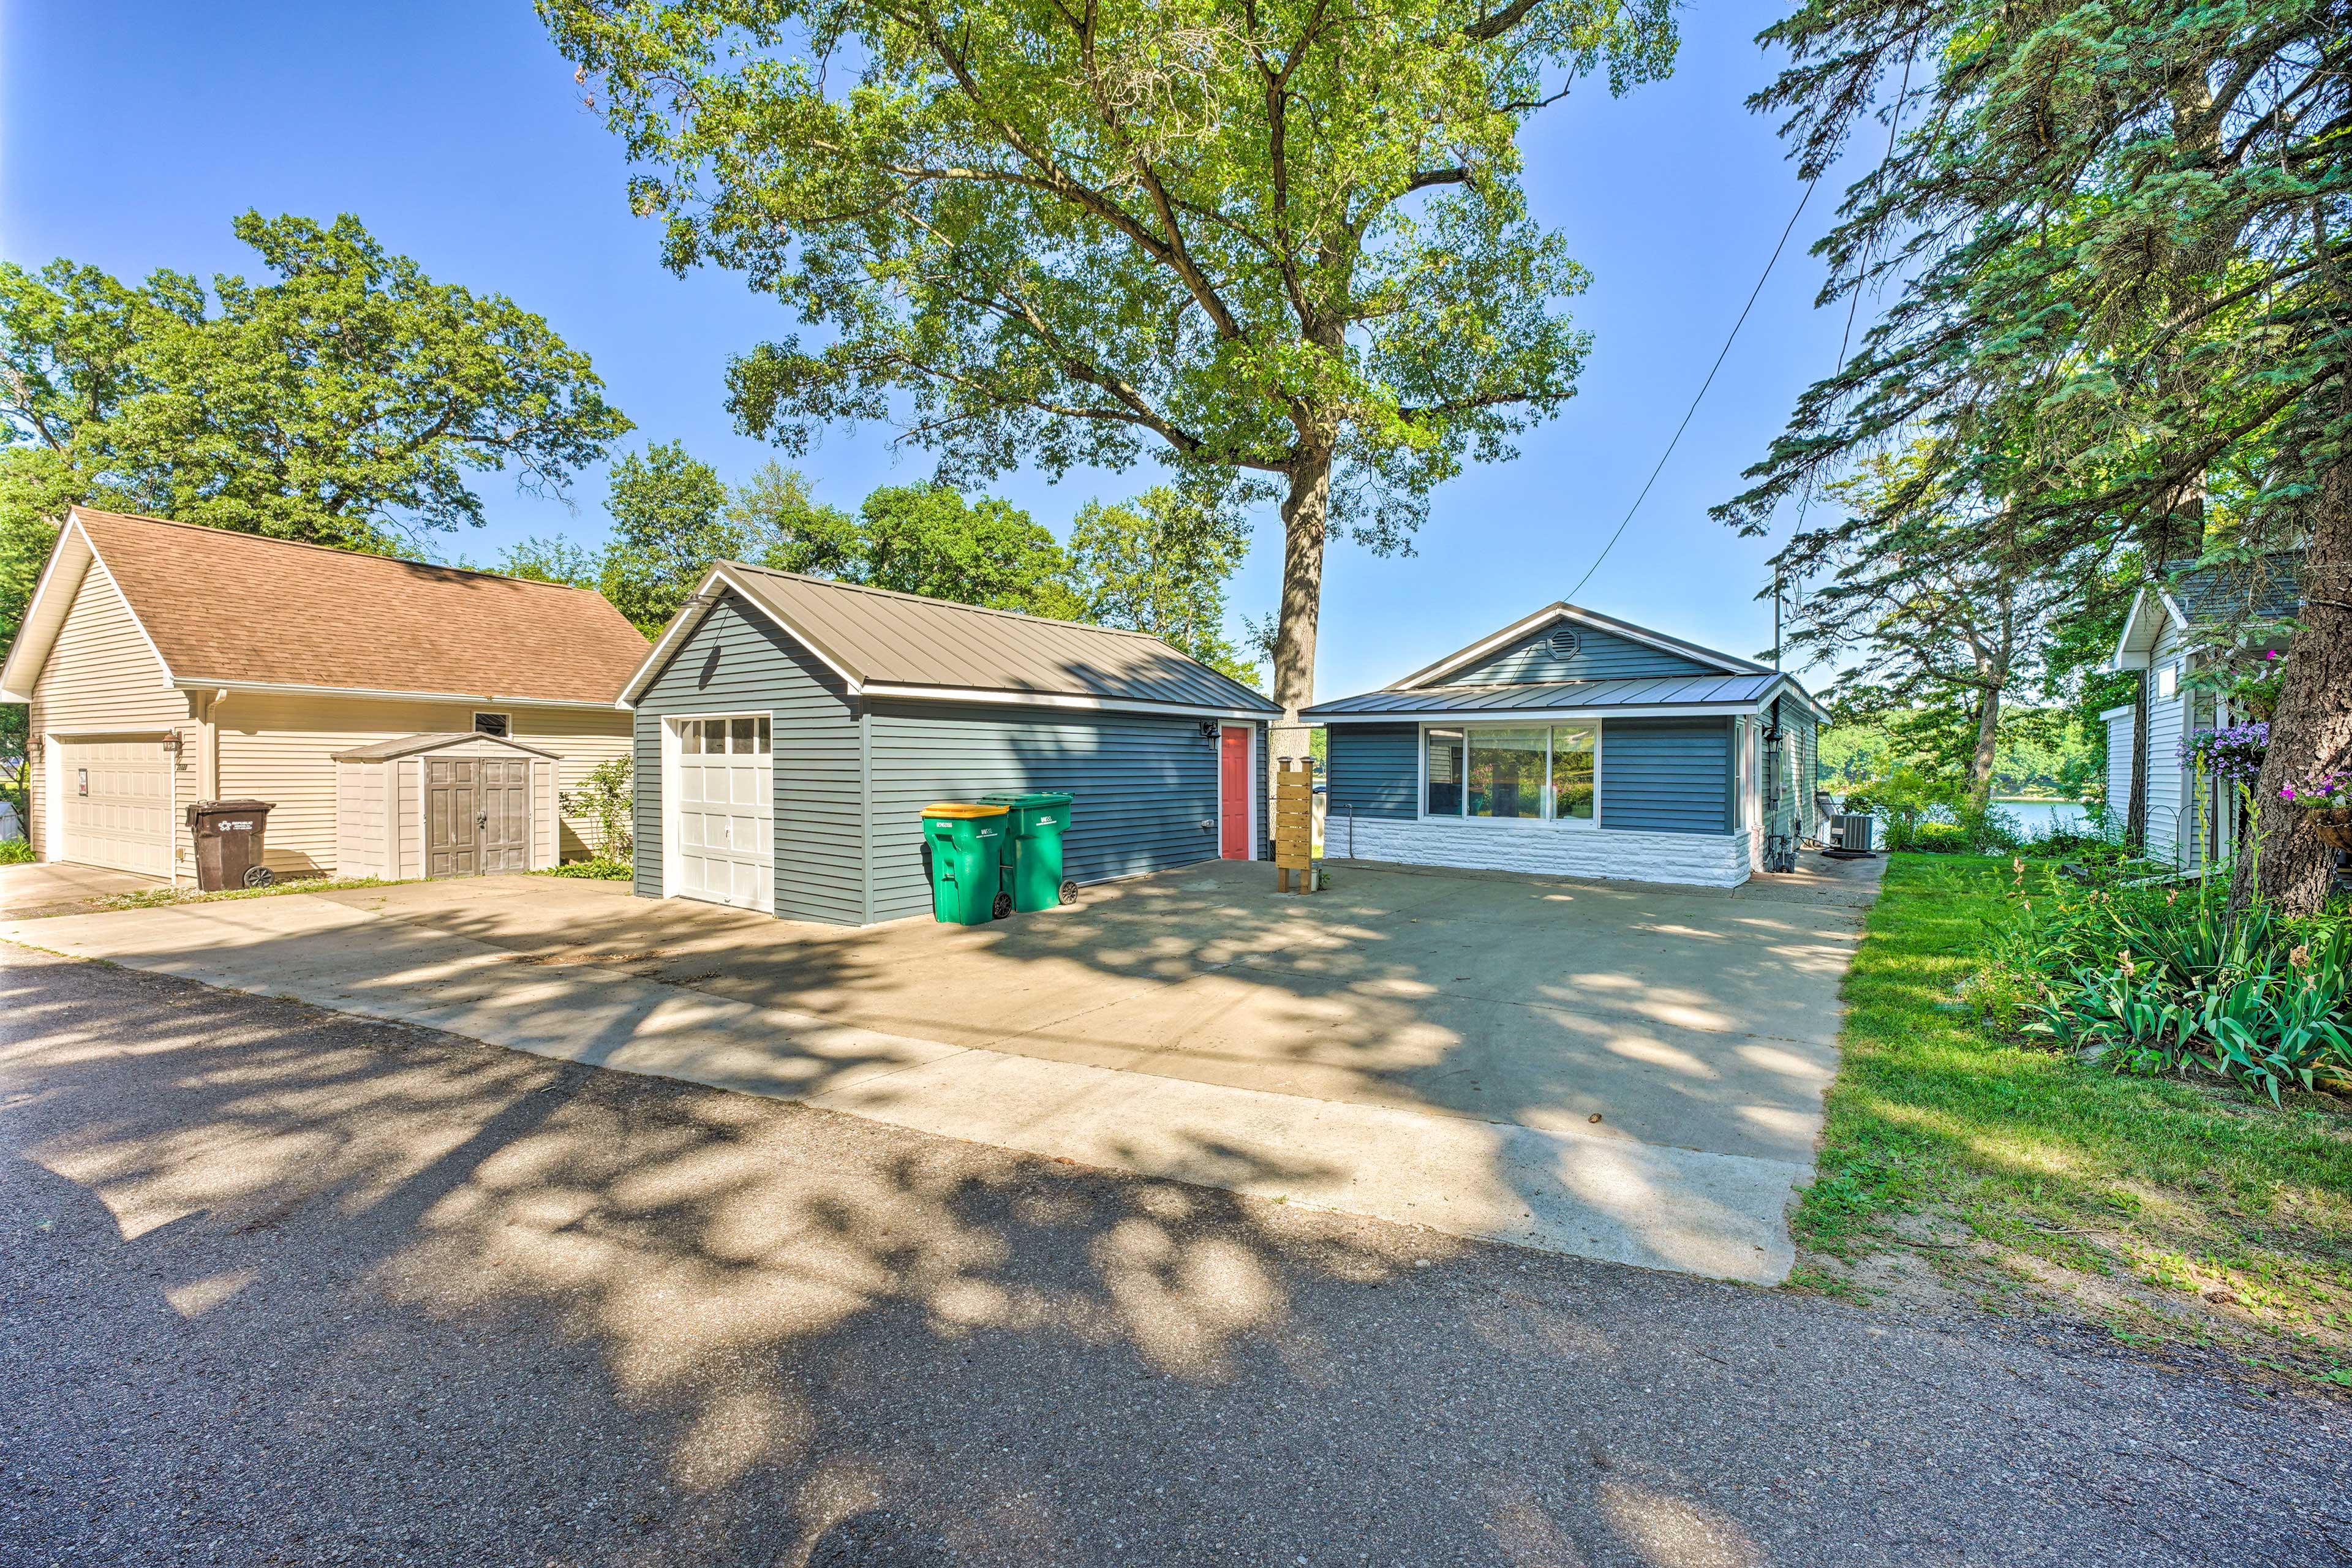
point(117, 800)
point(723, 823)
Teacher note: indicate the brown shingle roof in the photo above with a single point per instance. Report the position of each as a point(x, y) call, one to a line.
point(242, 609)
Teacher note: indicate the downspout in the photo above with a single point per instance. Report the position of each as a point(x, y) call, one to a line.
point(2136, 809)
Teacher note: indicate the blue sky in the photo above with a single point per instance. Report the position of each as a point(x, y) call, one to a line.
point(131, 133)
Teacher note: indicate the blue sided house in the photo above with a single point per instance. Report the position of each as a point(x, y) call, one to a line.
point(790, 732)
point(1572, 744)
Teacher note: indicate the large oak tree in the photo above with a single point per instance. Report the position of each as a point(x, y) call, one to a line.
point(1280, 240)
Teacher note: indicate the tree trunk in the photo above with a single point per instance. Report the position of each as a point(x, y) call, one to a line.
point(1305, 516)
point(2313, 723)
point(1987, 747)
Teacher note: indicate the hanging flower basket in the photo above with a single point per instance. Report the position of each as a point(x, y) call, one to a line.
point(2324, 796)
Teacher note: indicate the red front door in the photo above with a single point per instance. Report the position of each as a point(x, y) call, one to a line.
point(1234, 792)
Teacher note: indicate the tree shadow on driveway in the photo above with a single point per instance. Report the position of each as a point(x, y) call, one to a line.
point(311, 1287)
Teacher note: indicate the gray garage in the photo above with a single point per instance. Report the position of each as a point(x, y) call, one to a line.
point(791, 729)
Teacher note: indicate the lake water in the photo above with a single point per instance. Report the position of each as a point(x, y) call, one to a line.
point(2034, 818)
point(2040, 819)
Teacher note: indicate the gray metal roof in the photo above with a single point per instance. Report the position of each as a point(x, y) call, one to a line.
point(877, 637)
point(409, 745)
point(1654, 691)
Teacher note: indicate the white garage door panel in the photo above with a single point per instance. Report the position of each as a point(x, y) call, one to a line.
point(117, 795)
point(724, 820)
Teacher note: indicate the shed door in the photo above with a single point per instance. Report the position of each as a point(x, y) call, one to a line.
point(453, 814)
point(506, 814)
point(722, 825)
point(118, 805)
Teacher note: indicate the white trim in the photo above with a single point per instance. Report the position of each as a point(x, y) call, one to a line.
point(1056, 699)
point(700, 604)
point(1430, 675)
point(194, 683)
point(53, 770)
point(1545, 823)
point(2109, 715)
point(74, 526)
point(40, 591)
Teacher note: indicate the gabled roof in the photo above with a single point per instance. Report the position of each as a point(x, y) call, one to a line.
point(1561, 610)
point(1670, 693)
point(410, 745)
point(2268, 588)
point(238, 611)
point(886, 643)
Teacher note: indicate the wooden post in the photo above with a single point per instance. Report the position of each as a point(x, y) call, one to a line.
point(1294, 825)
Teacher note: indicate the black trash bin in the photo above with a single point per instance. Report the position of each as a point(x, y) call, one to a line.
point(229, 836)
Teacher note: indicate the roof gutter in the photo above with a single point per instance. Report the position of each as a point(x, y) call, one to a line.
point(1510, 715)
point(194, 683)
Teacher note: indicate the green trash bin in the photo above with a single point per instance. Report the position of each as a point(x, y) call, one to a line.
point(1032, 849)
point(967, 848)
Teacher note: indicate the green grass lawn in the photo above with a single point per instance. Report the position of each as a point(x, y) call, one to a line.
point(2173, 1211)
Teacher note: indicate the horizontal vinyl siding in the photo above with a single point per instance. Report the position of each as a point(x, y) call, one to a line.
point(1665, 775)
point(1798, 729)
point(2119, 765)
point(102, 677)
point(646, 806)
point(1375, 770)
point(281, 748)
point(1144, 785)
point(1600, 656)
point(737, 660)
point(2167, 721)
point(581, 740)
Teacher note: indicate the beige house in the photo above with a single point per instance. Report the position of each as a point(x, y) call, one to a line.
point(167, 664)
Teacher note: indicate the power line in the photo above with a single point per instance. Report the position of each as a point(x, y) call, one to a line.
point(1702, 385)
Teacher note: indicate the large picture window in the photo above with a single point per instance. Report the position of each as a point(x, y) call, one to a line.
point(1512, 773)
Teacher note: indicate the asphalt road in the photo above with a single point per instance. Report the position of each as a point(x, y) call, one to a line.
point(280, 1287)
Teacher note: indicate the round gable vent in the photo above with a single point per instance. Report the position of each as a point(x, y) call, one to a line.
point(1564, 641)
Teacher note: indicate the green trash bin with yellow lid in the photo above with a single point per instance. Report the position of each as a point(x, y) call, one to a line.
point(1033, 848)
point(967, 842)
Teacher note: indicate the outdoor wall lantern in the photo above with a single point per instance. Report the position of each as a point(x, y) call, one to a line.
point(1208, 728)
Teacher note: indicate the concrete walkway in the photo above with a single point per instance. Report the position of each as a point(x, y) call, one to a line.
point(1181, 1026)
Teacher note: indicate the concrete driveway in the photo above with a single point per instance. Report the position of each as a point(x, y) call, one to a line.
point(1619, 1071)
point(50, 888)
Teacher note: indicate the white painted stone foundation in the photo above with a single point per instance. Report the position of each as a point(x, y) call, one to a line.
point(1545, 849)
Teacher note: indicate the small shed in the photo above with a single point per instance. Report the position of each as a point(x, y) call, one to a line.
point(450, 804)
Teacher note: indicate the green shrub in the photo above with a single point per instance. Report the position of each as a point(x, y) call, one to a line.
point(606, 801)
point(1935, 839)
point(599, 869)
point(15, 852)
